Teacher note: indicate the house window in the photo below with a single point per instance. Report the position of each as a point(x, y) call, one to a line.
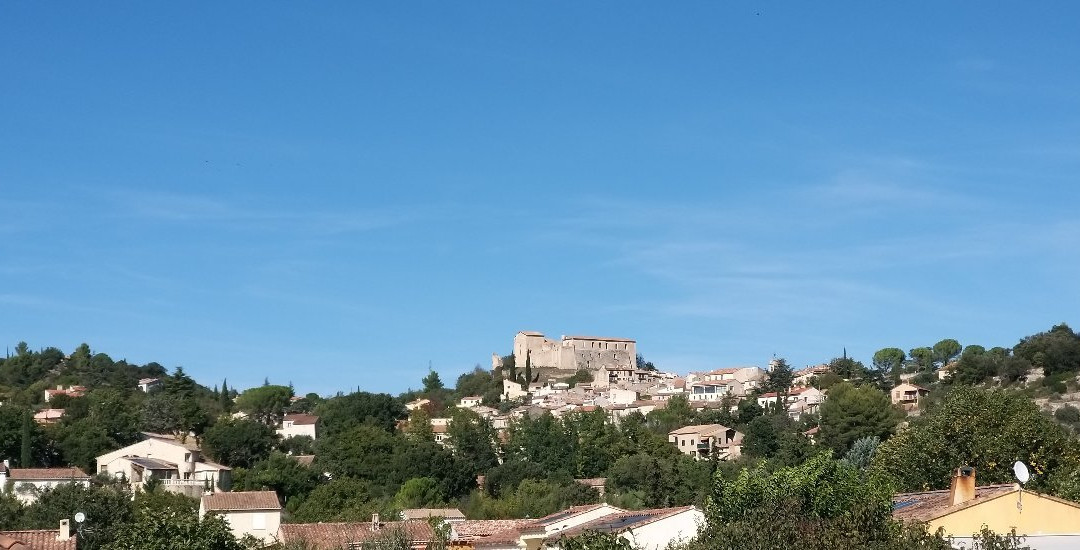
point(258, 521)
point(187, 457)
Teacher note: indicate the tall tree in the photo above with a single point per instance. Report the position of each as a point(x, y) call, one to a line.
point(888, 361)
point(225, 398)
point(779, 380)
point(432, 382)
point(945, 351)
point(853, 412)
point(975, 427)
point(265, 404)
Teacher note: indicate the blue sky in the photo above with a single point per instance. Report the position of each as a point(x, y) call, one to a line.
point(335, 195)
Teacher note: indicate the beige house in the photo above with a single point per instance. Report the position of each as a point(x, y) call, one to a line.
point(177, 463)
point(804, 376)
point(295, 424)
point(798, 401)
point(27, 483)
point(70, 391)
point(907, 396)
point(416, 404)
point(470, 401)
point(707, 441)
point(255, 513)
point(1046, 522)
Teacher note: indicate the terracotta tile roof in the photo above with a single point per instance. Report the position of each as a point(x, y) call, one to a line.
point(929, 505)
point(334, 536)
point(424, 513)
point(470, 530)
point(621, 521)
point(306, 460)
point(792, 392)
point(301, 419)
point(49, 414)
point(34, 540)
point(724, 371)
point(248, 500)
point(45, 473)
point(701, 429)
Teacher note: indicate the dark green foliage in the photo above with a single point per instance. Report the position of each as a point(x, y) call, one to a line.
point(986, 429)
point(582, 376)
point(852, 412)
point(888, 361)
point(473, 441)
point(777, 437)
point(345, 412)
point(238, 442)
point(297, 445)
point(107, 510)
point(170, 528)
point(265, 403)
point(280, 473)
point(847, 368)
point(1067, 414)
point(432, 382)
point(1054, 351)
point(343, 499)
point(779, 377)
point(11, 511)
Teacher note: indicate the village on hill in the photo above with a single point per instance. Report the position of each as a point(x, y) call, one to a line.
point(560, 442)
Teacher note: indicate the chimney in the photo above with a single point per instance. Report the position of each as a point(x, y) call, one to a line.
point(65, 530)
point(963, 486)
point(375, 521)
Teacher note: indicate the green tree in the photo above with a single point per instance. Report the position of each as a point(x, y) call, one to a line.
point(779, 380)
point(107, 509)
point(775, 436)
point(945, 351)
point(419, 492)
point(344, 412)
point(472, 440)
point(265, 404)
point(888, 362)
point(342, 499)
point(225, 398)
point(820, 504)
point(283, 474)
point(169, 529)
point(1054, 351)
point(853, 412)
point(432, 382)
point(923, 359)
point(238, 442)
point(862, 451)
point(11, 511)
point(847, 368)
point(988, 430)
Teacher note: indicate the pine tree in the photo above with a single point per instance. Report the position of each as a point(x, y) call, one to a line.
point(225, 398)
point(24, 457)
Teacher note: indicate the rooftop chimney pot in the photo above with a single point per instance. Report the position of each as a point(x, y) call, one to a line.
point(963, 486)
point(65, 530)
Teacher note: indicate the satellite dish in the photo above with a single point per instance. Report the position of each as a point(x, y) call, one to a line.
point(80, 517)
point(1021, 471)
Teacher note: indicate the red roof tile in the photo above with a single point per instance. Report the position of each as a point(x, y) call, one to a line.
point(333, 536)
point(248, 500)
point(44, 539)
point(46, 473)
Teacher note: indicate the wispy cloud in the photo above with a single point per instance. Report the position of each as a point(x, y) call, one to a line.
point(189, 208)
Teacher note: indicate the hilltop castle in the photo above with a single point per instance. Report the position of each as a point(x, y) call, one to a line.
point(572, 353)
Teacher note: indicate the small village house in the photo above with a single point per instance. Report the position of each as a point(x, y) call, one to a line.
point(254, 513)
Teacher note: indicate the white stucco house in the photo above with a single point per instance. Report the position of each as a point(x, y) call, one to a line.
point(177, 463)
point(255, 513)
point(298, 424)
point(27, 483)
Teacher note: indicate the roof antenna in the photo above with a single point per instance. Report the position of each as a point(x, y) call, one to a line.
point(1022, 475)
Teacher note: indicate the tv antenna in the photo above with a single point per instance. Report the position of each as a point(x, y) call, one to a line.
point(1023, 476)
